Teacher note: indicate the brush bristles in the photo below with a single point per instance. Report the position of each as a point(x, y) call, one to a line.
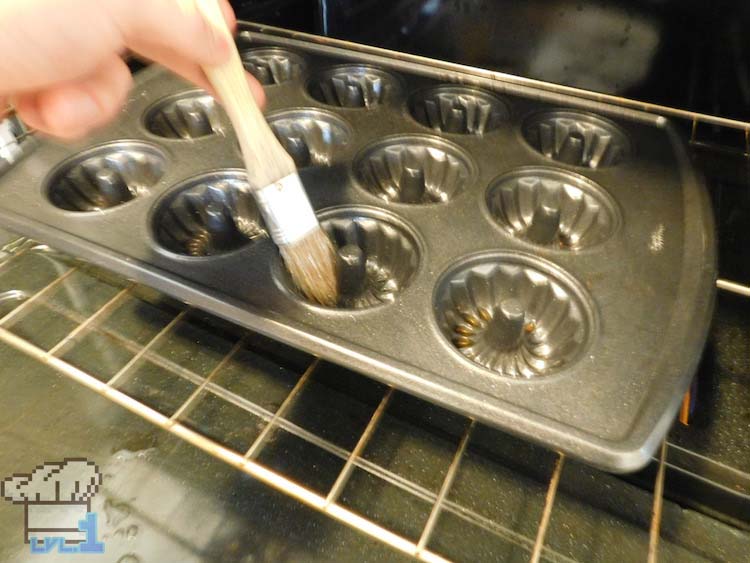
point(271, 172)
point(311, 261)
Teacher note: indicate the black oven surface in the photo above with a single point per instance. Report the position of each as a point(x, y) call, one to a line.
point(691, 55)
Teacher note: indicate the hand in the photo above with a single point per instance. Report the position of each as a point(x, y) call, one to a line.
point(61, 64)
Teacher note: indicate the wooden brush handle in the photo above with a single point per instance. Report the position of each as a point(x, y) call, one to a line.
point(265, 159)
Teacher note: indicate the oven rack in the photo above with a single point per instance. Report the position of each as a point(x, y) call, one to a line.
point(174, 417)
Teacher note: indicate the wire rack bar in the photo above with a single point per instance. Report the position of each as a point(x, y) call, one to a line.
point(653, 540)
point(130, 345)
point(263, 474)
point(151, 343)
point(246, 405)
point(224, 361)
point(450, 476)
point(497, 529)
point(9, 112)
point(278, 421)
point(106, 308)
point(260, 441)
point(372, 425)
point(733, 287)
point(14, 250)
point(549, 501)
point(396, 480)
point(36, 297)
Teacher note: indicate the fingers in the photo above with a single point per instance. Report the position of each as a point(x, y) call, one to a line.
point(229, 15)
point(44, 42)
point(69, 104)
point(193, 72)
point(186, 43)
point(173, 61)
point(257, 89)
point(71, 110)
point(173, 24)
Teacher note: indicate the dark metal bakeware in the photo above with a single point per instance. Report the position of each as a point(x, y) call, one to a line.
point(541, 263)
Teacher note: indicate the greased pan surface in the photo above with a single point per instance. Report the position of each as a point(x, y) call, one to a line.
point(543, 264)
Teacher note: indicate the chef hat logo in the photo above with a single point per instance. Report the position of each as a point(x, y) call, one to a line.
point(72, 480)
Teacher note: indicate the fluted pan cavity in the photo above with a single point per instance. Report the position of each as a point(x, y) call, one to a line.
point(312, 137)
point(207, 216)
point(107, 176)
point(414, 169)
point(189, 115)
point(354, 86)
point(273, 65)
point(577, 138)
point(378, 255)
point(458, 109)
point(513, 315)
point(551, 207)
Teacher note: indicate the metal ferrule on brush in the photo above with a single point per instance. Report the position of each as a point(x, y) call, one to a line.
point(286, 209)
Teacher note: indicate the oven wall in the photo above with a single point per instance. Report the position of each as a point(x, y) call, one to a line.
point(690, 54)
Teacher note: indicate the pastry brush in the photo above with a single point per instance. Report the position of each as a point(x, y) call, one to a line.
point(306, 249)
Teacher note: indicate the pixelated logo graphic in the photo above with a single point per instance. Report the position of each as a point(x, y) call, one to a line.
point(56, 499)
